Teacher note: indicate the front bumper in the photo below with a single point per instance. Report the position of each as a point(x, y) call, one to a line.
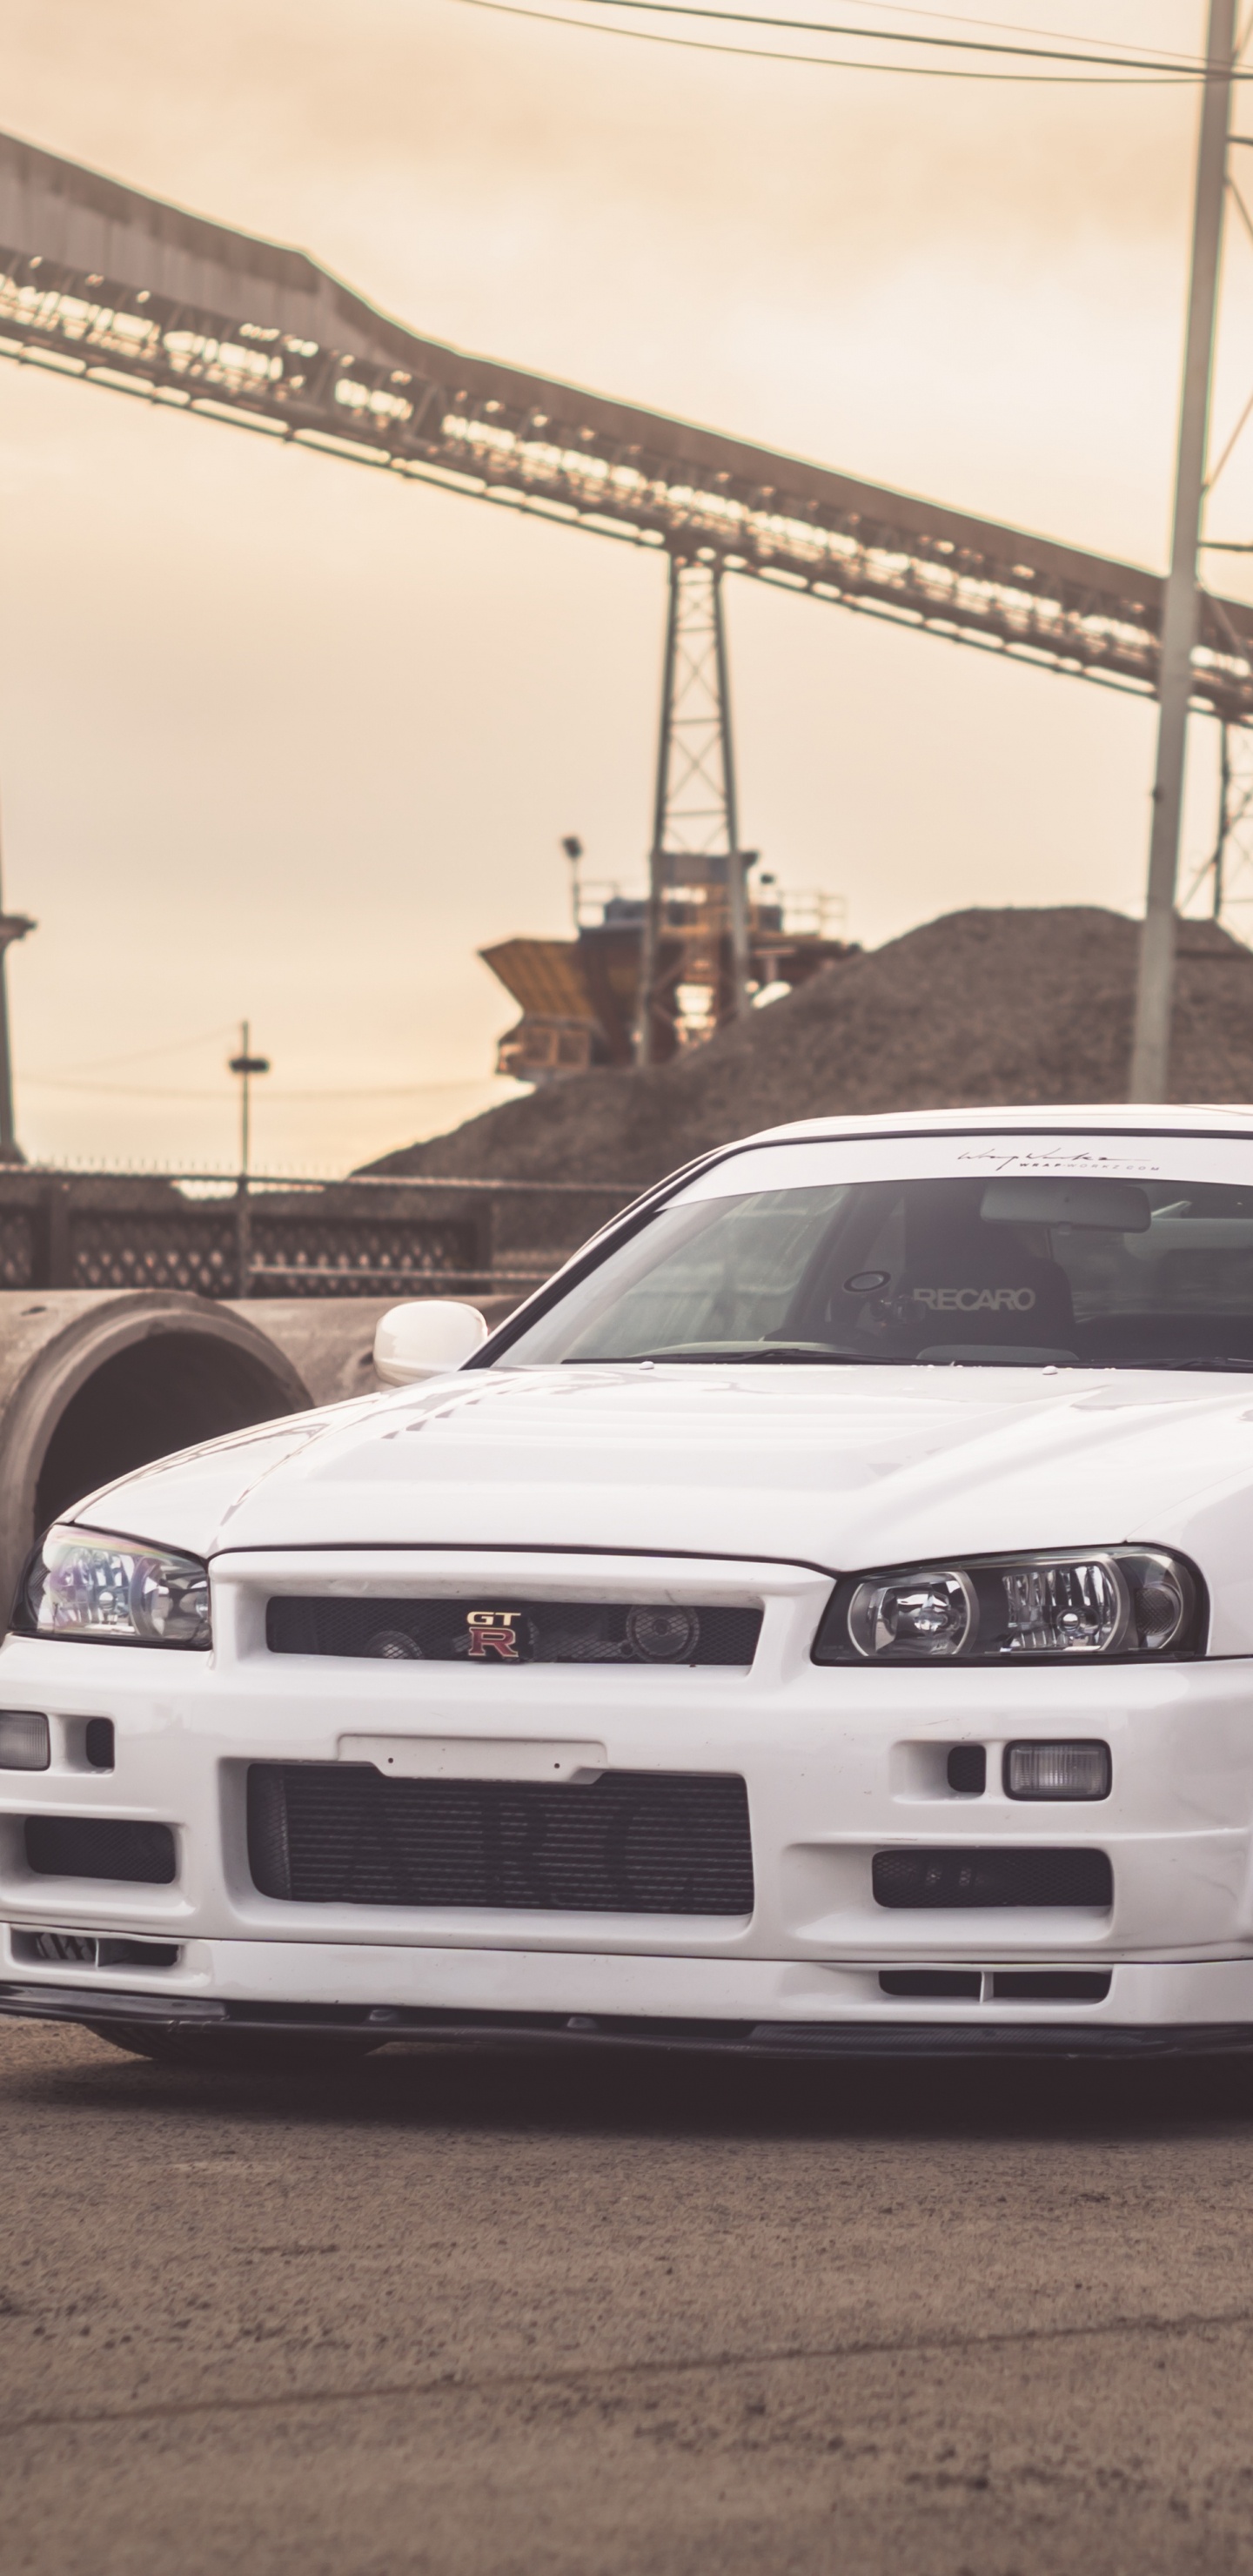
point(459, 1997)
point(839, 1764)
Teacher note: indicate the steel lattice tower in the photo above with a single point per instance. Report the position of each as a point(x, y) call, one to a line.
point(694, 971)
point(1228, 872)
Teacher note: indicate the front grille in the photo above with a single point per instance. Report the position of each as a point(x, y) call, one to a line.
point(505, 1630)
point(916, 1879)
point(99, 1847)
point(631, 1842)
point(1004, 1986)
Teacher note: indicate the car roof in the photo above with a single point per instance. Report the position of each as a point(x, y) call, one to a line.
point(1137, 1118)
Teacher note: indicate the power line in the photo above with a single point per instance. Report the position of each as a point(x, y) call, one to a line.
point(141, 1091)
point(145, 1055)
point(1150, 77)
point(1187, 66)
point(1008, 27)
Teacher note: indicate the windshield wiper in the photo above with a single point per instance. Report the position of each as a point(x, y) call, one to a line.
point(1222, 1361)
point(799, 1353)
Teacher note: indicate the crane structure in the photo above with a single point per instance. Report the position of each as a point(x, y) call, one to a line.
point(119, 289)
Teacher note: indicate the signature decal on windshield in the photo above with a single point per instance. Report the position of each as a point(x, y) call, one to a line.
point(970, 1301)
point(1063, 1160)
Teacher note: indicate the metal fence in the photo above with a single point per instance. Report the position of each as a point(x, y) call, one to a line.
point(278, 1237)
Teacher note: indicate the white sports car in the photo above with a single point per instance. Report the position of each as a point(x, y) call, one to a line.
point(820, 1620)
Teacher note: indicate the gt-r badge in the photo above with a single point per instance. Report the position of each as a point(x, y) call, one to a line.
point(494, 1630)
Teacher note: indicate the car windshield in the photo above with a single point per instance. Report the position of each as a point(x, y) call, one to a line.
point(1132, 1257)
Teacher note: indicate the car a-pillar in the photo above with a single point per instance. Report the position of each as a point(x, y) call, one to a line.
point(96, 1382)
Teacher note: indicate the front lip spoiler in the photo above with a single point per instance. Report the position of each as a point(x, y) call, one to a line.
point(800, 2040)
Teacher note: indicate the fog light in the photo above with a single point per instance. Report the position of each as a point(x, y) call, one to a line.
point(24, 1741)
point(1057, 1770)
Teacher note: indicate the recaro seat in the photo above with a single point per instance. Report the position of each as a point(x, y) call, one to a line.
point(967, 1281)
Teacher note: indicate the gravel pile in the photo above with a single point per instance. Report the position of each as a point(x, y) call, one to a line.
point(977, 1007)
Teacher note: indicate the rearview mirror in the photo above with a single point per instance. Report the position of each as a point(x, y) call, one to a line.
point(1117, 1207)
point(424, 1337)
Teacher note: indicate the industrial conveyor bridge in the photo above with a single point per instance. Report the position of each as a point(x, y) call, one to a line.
point(114, 288)
point(120, 289)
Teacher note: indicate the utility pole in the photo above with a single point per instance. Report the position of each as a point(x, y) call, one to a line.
point(13, 926)
point(1150, 1055)
point(245, 1064)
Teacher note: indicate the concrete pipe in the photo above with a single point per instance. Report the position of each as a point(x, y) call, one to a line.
point(94, 1382)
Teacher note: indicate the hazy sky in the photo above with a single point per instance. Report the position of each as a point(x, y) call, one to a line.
point(277, 739)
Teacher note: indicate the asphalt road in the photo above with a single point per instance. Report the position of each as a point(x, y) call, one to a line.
point(628, 2317)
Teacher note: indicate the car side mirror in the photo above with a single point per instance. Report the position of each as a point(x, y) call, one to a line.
point(424, 1337)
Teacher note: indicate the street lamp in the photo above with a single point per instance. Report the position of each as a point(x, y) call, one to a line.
point(245, 1064)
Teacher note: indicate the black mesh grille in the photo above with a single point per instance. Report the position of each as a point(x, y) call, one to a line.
point(1021, 1986)
point(99, 1847)
point(506, 1630)
point(632, 1842)
point(1014, 1877)
point(933, 1985)
point(1051, 1985)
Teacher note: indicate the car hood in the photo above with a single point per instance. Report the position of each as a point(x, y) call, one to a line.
point(836, 1467)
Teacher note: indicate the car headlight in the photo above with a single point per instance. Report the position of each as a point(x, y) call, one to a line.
point(1115, 1601)
point(114, 1592)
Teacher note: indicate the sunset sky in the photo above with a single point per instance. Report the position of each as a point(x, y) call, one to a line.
point(277, 740)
